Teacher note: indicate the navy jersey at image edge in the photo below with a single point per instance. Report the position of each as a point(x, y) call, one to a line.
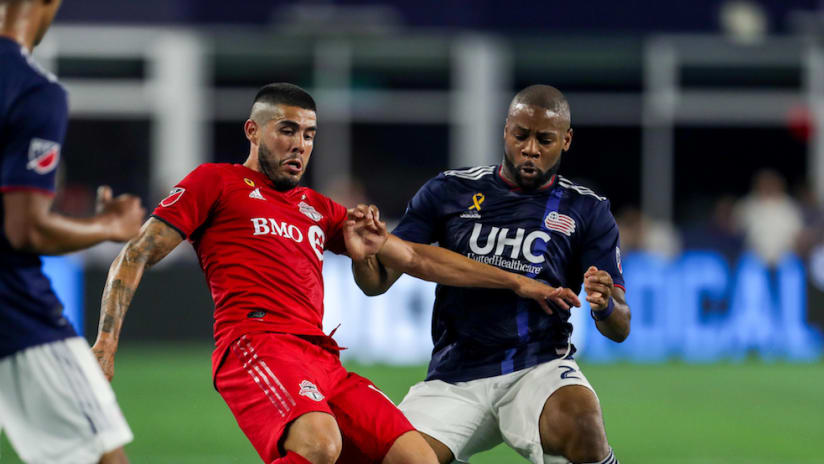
point(33, 118)
point(553, 234)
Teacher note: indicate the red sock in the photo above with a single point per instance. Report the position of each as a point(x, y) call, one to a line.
point(291, 458)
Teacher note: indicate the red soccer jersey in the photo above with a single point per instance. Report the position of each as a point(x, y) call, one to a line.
point(261, 249)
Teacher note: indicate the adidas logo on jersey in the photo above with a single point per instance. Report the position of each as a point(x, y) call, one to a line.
point(256, 194)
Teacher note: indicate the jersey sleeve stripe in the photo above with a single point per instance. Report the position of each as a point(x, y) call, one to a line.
point(170, 225)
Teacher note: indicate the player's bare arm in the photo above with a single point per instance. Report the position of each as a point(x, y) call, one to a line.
point(614, 323)
point(155, 241)
point(32, 226)
point(440, 265)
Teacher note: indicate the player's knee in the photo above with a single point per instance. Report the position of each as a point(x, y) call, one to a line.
point(316, 437)
point(588, 441)
point(322, 449)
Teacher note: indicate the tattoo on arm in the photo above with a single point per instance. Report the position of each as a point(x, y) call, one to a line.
point(155, 241)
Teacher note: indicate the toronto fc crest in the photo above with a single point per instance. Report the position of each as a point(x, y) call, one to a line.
point(309, 390)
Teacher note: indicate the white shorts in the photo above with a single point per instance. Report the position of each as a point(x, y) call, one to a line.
point(470, 417)
point(57, 407)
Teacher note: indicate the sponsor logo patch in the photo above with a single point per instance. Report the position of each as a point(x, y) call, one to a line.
point(559, 223)
point(309, 390)
point(174, 195)
point(310, 211)
point(43, 155)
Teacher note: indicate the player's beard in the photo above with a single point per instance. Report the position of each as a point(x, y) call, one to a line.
point(270, 168)
point(534, 183)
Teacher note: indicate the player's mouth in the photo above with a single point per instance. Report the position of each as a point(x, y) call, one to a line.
point(529, 171)
point(293, 166)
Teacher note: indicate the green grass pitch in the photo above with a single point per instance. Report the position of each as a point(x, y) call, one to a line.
point(749, 413)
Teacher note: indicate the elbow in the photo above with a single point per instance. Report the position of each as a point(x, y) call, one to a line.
point(26, 239)
point(372, 291)
point(623, 330)
point(620, 336)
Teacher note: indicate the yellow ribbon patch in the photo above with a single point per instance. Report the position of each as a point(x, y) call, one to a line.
point(477, 199)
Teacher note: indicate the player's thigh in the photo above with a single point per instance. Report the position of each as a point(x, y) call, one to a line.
point(369, 421)
point(268, 382)
point(523, 409)
point(457, 417)
point(411, 448)
point(56, 405)
point(571, 424)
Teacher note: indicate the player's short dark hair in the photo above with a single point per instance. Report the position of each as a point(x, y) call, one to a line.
point(543, 96)
point(284, 93)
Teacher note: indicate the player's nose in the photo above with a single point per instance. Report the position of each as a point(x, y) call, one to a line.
point(530, 148)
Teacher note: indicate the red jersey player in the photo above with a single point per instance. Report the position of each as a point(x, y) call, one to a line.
point(260, 239)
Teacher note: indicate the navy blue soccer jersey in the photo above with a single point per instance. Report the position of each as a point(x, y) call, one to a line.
point(33, 118)
point(553, 234)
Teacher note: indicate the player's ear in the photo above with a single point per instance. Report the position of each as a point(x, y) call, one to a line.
point(567, 139)
point(250, 128)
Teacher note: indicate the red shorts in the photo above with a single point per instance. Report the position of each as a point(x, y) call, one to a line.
point(270, 379)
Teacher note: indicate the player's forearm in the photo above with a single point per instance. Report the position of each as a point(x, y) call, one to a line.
point(153, 243)
point(124, 277)
point(443, 266)
point(370, 276)
point(617, 326)
point(56, 234)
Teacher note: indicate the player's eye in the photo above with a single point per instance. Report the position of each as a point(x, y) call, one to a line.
point(287, 131)
point(520, 136)
point(545, 141)
point(309, 136)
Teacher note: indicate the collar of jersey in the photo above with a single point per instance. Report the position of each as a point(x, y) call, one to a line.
point(516, 188)
point(263, 181)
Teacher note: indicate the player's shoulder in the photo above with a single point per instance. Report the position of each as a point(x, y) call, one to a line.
point(470, 177)
point(23, 74)
point(579, 192)
point(214, 168)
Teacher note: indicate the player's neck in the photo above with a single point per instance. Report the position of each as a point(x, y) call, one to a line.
point(252, 162)
point(17, 22)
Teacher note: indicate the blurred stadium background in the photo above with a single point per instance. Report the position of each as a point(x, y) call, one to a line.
point(702, 121)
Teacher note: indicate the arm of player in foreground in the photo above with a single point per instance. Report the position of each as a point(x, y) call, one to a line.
point(446, 267)
point(155, 240)
point(31, 226)
point(365, 233)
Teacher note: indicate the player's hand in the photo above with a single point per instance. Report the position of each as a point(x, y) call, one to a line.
point(364, 232)
point(599, 286)
point(105, 357)
point(541, 292)
point(123, 213)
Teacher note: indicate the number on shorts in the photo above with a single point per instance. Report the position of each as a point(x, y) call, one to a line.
point(567, 374)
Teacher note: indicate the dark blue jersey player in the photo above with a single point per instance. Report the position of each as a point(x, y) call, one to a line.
point(55, 404)
point(502, 369)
